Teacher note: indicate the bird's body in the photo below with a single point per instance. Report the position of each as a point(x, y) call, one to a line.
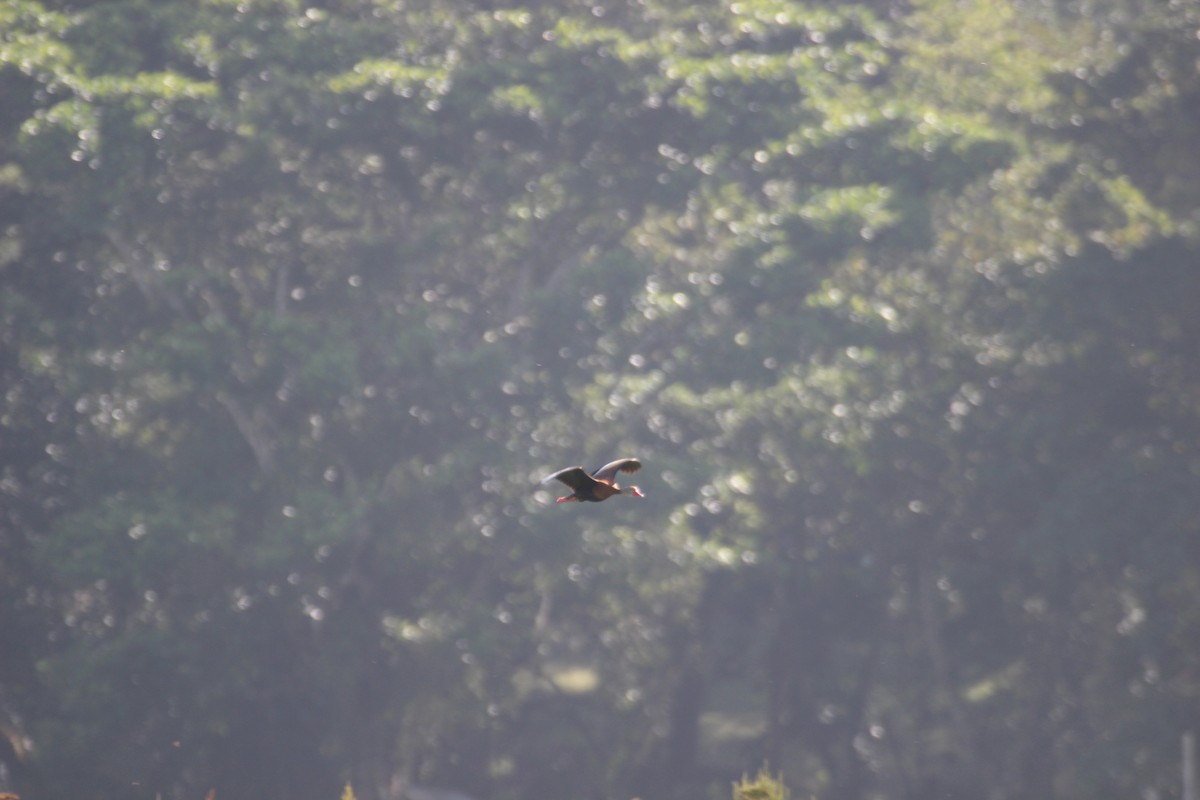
point(599, 485)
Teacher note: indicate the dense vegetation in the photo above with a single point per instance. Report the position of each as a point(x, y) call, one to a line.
point(899, 302)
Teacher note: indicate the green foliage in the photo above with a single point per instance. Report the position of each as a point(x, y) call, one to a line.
point(896, 305)
point(764, 787)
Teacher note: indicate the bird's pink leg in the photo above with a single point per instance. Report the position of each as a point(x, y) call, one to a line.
point(568, 499)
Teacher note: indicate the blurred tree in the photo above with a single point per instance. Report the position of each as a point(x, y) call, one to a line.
point(298, 302)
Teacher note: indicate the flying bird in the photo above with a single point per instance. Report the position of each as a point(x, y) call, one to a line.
point(600, 485)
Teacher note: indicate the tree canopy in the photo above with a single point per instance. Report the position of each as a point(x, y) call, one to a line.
point(897, 303)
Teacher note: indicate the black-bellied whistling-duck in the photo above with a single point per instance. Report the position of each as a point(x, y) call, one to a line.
point(600, 485)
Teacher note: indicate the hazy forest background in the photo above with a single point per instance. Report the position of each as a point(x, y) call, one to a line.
point(898, 301)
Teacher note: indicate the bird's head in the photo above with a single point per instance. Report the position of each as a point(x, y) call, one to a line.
point(633, 490)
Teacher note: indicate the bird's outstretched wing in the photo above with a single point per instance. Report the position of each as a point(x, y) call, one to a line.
point(575, 477)
point(608, 473)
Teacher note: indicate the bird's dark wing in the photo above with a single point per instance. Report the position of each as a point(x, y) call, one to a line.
point(575, 477)
point(608, 473)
